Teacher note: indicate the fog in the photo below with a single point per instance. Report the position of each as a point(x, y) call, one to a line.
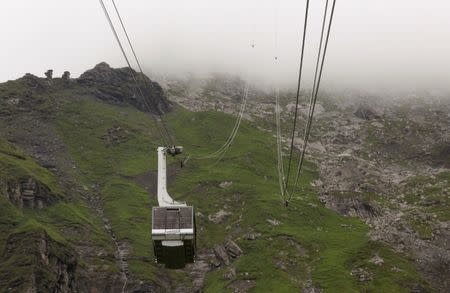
point(374, 45)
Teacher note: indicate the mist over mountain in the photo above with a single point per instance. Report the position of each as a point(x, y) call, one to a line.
point(269, 189)
point(376, 45)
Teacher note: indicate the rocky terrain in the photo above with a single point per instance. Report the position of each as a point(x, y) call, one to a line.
point(89, 260)
point(383, 160)
point(77, 182)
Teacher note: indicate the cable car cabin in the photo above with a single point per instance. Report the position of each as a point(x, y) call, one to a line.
point(173, 235)
point(173, 223)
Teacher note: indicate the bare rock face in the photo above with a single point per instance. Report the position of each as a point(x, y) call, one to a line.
point(29, 193)
point(118, 86)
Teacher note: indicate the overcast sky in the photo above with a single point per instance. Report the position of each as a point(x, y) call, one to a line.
point(374, 43)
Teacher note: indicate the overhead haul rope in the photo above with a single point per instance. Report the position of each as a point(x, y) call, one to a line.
point(298, 92)
point(147, 82)
point(280, 164)
point(134, 78)
point(238, 124)
point(222, 150)
point(279, 137)
point(146, 104)
point(219, 153)
point(316, 86)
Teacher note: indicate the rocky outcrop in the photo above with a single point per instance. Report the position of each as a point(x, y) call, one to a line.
point(116, 135)
point(29, 193)
point(219, 217)
point(228, 252)
point(366, 113)
point(47, 266)
point(124, 86)
point(439, 156)
point(354, 207)
point(32, 261)
point(49, 74)
point(33, 82)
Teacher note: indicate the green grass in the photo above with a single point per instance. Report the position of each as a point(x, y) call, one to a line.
point(329, 241)
point(395, 274)
point(85, 123)
point(14, 163)
point(129, 211)
point(430, 194)
point(67, 223)
point(250, 164)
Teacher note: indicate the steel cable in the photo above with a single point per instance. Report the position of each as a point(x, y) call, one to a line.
point(146, 104)
point(165, 127)
point(315, 92)
point(298, 92)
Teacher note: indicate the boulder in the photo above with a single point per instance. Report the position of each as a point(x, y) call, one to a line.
point(377, 260)
point(252, 236)
point(221, 254)
point(273, 222)
point(366, 113)
point(353, 206)
point(219, 217)
point(225, 184)
point(230, 274)
point(233, 249)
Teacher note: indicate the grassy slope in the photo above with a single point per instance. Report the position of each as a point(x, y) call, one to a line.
point(330, 244)
point(56, 220)
point(322, 244)
point(83, 125)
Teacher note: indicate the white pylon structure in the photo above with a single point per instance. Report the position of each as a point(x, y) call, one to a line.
point(173, 223)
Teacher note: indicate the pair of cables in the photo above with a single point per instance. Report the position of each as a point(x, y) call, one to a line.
point(323, 45)
point(161, 126)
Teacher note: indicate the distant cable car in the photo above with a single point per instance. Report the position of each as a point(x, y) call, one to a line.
point(173, 223)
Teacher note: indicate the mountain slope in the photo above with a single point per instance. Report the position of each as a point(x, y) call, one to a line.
point(96, 155)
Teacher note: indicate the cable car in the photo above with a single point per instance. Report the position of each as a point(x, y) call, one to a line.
point(173, 223)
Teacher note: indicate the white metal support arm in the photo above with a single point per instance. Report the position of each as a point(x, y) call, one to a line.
point(164, 199)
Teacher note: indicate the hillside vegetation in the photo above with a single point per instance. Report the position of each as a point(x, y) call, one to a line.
point(77, 218)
